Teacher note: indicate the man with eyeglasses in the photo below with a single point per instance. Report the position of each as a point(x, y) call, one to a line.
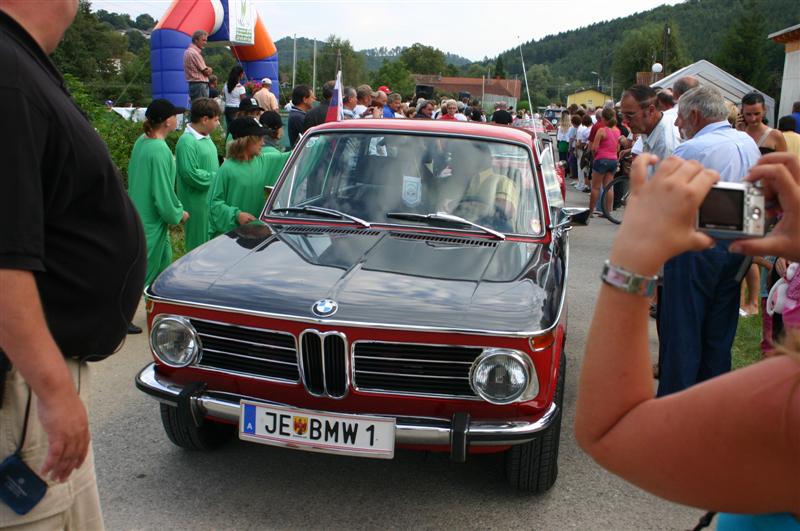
point(659, 134)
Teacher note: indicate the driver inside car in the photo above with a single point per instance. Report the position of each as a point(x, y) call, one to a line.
point(486, 197)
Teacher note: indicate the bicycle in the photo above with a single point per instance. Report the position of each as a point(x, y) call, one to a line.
point(621, 194)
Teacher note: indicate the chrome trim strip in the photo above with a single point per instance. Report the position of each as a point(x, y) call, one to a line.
point(415, 375)
point(229, 372)
point(446, 396)
point(362, 357)
point(235, 325)
point(246, 342)
point(266, 360)
point(408, 430)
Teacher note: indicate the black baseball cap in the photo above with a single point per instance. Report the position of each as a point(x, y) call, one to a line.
point(271, 119)
point(161, 109)
point(249, 104)
point(242, 127)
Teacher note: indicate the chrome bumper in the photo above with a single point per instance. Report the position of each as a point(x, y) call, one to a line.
point(408, 430)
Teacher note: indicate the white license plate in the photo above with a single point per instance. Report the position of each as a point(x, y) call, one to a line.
point(336, 433)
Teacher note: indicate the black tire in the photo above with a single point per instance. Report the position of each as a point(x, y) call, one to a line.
point(208, 436)
point(533, 466)
point(621, 188)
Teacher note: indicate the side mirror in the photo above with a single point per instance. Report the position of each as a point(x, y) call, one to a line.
point(569, 214)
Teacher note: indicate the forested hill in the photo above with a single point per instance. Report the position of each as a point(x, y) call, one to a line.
point(373, 57)
point(716, 30)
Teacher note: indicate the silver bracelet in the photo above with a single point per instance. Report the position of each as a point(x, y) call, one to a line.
point(627, 281)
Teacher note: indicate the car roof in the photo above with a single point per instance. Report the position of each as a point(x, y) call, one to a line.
point(449, 127)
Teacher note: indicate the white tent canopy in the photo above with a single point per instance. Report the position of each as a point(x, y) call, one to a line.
point(709, 74)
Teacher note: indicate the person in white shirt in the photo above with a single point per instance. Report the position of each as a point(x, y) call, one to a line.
point(363, 101)
point(581, 146)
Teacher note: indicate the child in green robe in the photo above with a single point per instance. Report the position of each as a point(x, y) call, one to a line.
point(197, 166)
point(238, 194)
point(151, 185)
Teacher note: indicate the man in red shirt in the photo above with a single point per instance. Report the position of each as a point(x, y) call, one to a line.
point(194, 66)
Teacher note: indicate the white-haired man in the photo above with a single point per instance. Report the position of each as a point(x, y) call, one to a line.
point(700, 301)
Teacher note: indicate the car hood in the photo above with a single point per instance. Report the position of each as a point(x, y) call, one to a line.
point(375, 277)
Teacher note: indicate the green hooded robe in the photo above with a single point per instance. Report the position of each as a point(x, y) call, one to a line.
point(151, 186)
point(197, 166)
point(239, 187)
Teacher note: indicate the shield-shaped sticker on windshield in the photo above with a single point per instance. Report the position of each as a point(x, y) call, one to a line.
point(412, 190)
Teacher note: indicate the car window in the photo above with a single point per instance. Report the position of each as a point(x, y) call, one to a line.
point(369, 175)
point(551, 185)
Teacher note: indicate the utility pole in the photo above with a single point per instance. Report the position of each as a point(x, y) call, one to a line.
point(314, 69)
point(667, 33)
point(294, 62)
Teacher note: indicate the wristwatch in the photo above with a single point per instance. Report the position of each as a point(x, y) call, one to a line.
point(629, 282)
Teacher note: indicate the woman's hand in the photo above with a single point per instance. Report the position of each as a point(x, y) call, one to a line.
point(779, 174)
point(660, 218)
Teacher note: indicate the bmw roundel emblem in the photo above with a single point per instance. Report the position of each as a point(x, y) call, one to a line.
point(325, 307)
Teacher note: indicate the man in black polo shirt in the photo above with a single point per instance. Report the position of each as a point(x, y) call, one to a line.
point(72, 261)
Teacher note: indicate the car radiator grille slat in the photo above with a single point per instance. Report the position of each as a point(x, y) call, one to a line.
point(260, 353)
point(414, 369)
point(312, 363)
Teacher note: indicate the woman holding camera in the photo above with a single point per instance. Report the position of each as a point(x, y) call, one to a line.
point(729, 444)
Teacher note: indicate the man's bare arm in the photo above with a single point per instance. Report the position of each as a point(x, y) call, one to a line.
point(28, 344)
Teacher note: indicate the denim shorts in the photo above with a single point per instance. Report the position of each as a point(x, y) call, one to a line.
point(604, 165)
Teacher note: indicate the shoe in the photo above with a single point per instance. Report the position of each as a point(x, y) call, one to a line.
point(133, 329)
point(587, 190)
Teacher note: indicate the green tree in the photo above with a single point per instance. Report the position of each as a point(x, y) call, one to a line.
point(499, 68)
point(115, 20)
point(353, 71)
point(743, 50)
point(644, 46)
point(91, 51)
point(144, 22)
point(421, 59)
point(137, 42)
point(540, 82)
point(395, 75)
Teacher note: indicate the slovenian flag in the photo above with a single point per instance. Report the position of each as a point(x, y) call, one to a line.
point(335, 106)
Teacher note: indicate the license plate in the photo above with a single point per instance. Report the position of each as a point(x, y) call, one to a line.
point(314, 431)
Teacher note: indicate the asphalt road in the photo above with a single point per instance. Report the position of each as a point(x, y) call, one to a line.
point(147, 483)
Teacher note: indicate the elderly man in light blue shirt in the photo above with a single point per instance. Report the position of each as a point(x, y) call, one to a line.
point(700, 298)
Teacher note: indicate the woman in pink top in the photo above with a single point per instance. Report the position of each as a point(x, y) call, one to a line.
point(604, 147)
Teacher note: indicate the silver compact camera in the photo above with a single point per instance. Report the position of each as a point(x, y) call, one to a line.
point(732, 211)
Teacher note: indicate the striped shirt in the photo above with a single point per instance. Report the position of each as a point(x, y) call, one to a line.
point(194, 64)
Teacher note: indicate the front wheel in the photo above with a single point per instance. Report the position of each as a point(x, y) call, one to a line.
point(208, 436)
point(615, 212)
point(533, 466)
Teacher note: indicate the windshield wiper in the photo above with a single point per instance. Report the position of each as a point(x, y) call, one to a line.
point(329, 212)
point(444, 216)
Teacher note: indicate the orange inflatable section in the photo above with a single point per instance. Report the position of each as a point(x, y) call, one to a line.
point(263, 47)
point(188, 16)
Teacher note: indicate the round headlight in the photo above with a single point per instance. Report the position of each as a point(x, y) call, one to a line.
point(174, 340)
point(500, 376)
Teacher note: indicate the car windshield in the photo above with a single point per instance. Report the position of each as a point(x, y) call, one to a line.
point(378, 177)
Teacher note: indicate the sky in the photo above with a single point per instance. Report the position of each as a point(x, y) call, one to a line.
point(469, 28)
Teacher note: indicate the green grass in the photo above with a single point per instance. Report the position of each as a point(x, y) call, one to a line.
point(176, 239)
point(747, 344)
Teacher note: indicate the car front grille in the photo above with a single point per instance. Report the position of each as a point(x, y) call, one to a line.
point(249, 351)
point(324, 361)
point(414, 369)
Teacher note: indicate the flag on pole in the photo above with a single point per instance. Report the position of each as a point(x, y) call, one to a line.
point(335, 106)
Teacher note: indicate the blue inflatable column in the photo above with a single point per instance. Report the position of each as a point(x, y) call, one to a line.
point(166, 59)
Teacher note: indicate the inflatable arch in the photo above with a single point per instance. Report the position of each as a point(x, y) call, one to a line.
point(173, 34)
